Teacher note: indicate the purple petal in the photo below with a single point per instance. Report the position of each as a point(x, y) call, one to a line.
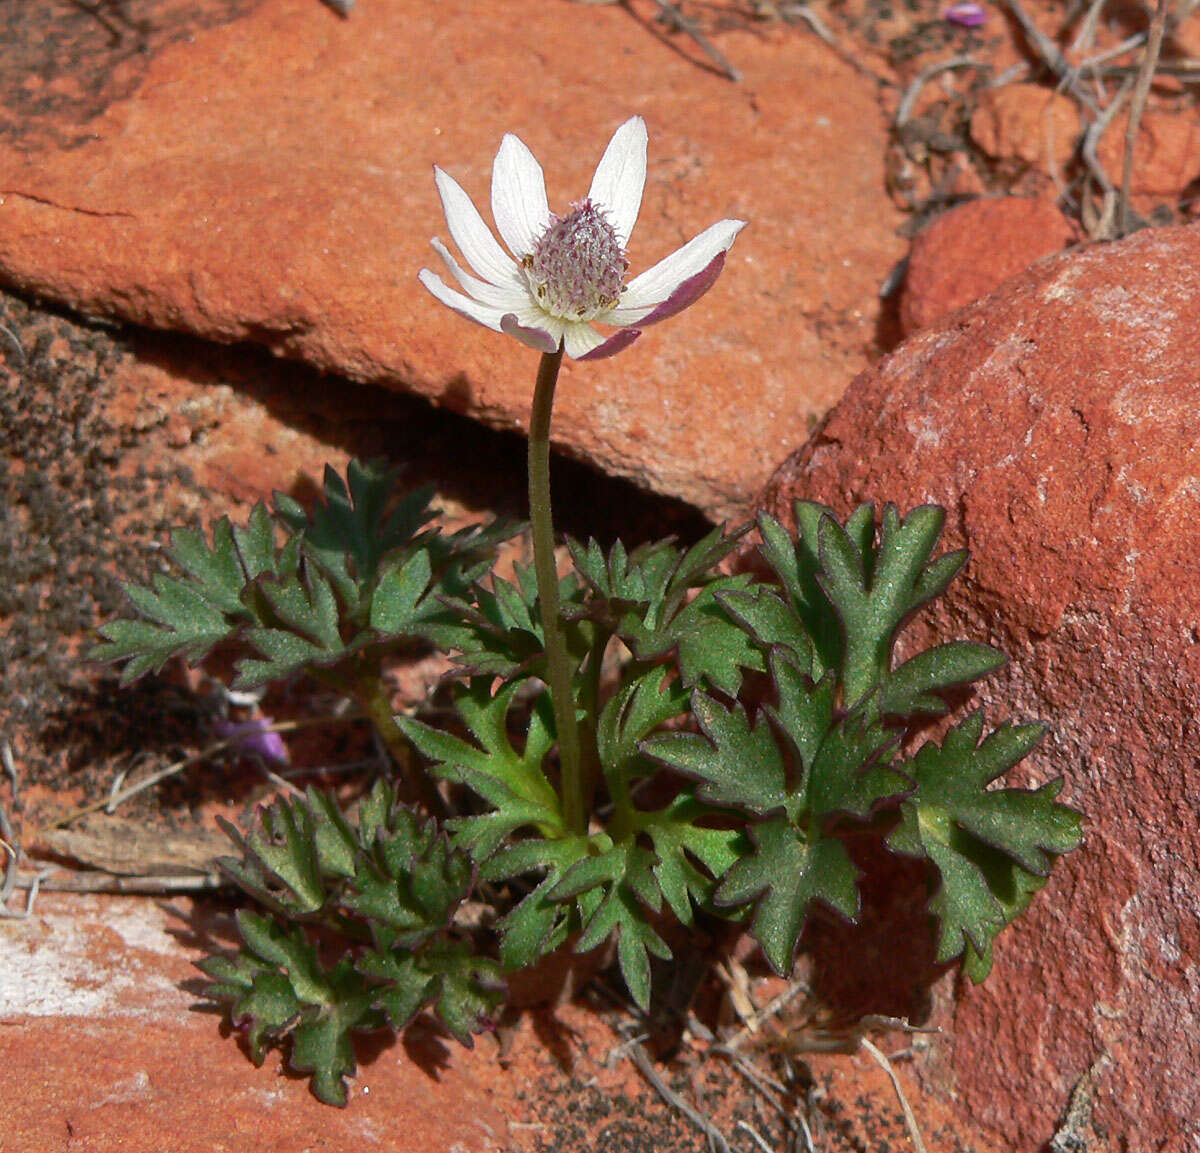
point(255, 739)
point(618, 342)
point(537, 338)
point(688, 292)
point(965, 15)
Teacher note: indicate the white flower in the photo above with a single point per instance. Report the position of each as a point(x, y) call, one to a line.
point(569, 270)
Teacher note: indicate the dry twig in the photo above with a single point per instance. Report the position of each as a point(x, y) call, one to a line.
point(909, 99)
point(909, 1118)
point(57, 880)
point(1138, 105)
point(644, 1066)
point(1100, 227)
point(677, 20)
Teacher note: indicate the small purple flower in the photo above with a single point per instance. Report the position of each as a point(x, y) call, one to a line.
point(255, 739)
point(965, 14)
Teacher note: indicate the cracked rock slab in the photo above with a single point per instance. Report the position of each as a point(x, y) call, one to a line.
point(103, 1051)
point(264, 173)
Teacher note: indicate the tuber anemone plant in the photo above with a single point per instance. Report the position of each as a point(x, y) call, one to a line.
point(643, 736)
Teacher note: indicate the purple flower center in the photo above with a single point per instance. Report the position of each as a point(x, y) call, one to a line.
point(577, 267)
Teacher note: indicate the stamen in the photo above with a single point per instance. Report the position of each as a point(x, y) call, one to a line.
point(577, 267)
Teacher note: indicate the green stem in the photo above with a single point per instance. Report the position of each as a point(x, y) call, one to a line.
point(562, 695)
point(414, 786)
point(590, 693)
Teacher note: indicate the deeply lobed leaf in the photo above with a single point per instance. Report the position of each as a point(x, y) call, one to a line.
point(992, 848)
point(190, 616)
point(278, 988)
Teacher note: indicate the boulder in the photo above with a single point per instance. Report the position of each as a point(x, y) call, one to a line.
point(966, 252)
point(1055, 420)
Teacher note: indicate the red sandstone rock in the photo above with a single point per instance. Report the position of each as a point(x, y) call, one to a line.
point(111, 1057)
point(973, 248)
point(1027, 122)
point(1041, 127)
point(1166, 157)
point(1056, 421)
point(270, 179)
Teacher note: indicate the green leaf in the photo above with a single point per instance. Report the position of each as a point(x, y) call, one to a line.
point(178, 622)
point(498, 631)
point(307, 632)
point(786, 873)
point(844, 758)
point(278, 988)
point(796, 564)
point(846, 597)
point(646, 598)
point(712, 649)
point(639, 707)
point(802, 765)
point(321, 1043)
point(358, 524)
point(911, 688)
point(761, 611)
point(875, 590)
point(189, 616)
point(623, 878)
point(1014, 889)
point(399, 605)
point(334, 838)
point(216, 570)
point(462, 989)
point(537, 925)
point(280, 865)
point(738, 763)
point(513, 783)
point(410, 881)
point(677, 839)
point(991, 847)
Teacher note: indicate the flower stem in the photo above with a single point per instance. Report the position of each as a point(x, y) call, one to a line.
point(562, 695)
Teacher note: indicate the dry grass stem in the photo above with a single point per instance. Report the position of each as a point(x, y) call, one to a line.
point(1141, 91)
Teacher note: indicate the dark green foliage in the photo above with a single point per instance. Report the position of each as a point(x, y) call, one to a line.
point(799, 767)
point(745, 730)
point(188, 616)
point(663, 602)
point(598, 884)
point(845, 598)
point(823, 755)
point(993, 848)
point(497, 627)
point(388, 885)
point(357, 576)
point(277, 987)
point(513, 783)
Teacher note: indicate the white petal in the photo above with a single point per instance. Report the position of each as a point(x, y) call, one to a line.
point(654, 285)
point(472, 236)
point(621, 177)
point(532, 316)
point(686, 293)
point(507, 297)
point(518, 196)
point(535, 337)
point(483, 314)
point(580, 338)
point(618, 342)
